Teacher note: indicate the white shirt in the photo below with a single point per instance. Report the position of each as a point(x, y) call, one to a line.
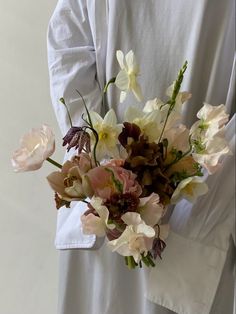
point(82, 40)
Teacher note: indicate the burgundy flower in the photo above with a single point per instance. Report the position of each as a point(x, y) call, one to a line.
point(129, 130)
point(119, 204)
point(77, 137)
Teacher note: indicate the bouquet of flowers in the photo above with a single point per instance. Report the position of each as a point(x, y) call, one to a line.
point(129, 173)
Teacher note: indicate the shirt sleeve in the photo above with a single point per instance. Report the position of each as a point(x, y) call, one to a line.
point(72, 65)
point(72, 62)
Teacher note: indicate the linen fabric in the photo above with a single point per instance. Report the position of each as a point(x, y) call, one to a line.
point(83, 38)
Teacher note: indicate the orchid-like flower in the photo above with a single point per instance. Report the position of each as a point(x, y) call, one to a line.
point(136, 239)
point(126, 79)
point(93, 224)
point(108, 131)
point(150, 209)
point(68, 183)
point(35, 147)
point(189, 189)
point(212, 120)
point(148, 122)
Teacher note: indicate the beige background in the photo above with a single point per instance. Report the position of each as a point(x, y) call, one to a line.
point(28, 261)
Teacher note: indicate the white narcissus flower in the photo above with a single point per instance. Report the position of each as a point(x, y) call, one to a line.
point(35, 147)
point(210, 152)
point(108, 131)
point(189, 189)
point(126, 79)
point(148, 122)
point(151, 210)
point(97, 225)
point(136, 239)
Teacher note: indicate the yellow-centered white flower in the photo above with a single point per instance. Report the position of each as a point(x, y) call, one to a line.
point(148, 122)
point(189, 189)
point(126, 79)
point(108, 131)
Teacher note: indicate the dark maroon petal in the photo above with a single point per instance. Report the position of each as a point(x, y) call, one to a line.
point(129, 130)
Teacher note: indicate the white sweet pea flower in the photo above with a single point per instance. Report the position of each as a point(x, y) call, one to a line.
point(35, 147)
point(126, 79)
point(209, 152)
point(189, 189)
point(175, 115)
point(97, 225)
point(212, 120)
point(151, 210)
point(108, 131)
point(148, 122)
point(178, 138)
point(136, 239)
point(153, 104)
point(181, 98)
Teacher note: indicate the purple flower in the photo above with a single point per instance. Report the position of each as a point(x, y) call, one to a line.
point(77, 137)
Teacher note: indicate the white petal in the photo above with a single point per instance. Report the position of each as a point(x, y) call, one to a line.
point(130, 60)
point(122, 80)
point(110, 118)
point(120, 58)
point(131, 218)
point(146, 230)
point(122, 96)
point(96, 118)
point(136, 89)
point(133, 113)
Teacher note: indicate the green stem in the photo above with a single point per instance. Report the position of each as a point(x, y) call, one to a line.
point(175, 93)
point(111, 81)
point(130, 262)
point(53, 162)
point(86, 108)
point(145, 260)
point(62, 100)
point(185, 154)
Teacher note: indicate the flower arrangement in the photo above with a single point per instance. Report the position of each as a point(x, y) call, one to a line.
point(129, 173)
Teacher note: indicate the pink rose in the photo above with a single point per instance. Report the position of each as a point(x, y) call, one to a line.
point(108, 180)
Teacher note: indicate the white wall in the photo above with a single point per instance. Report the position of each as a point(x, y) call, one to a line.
point(28, 259)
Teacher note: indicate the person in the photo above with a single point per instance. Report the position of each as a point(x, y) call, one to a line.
point(83, 38)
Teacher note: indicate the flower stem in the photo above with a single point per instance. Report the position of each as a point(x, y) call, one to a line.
point(86, 108)
point(53, 162)
point(130, 262)
point(112, 80)
point(175, 93)
point(62, 100)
